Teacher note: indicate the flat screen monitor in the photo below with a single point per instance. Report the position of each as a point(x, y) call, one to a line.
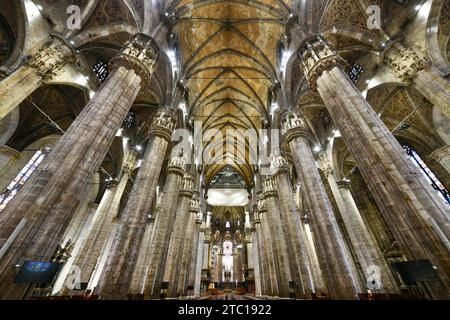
point(37, 272)
point(416, 271)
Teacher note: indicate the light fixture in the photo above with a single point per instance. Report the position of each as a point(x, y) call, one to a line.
point(138, 148)
point(317, 148)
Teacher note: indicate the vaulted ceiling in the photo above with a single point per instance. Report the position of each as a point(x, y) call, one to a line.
point(229, 59)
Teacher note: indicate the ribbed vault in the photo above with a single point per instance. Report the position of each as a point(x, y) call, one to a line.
point(230, 64)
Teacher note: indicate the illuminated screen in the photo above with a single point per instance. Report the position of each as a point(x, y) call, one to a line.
point(37, 272)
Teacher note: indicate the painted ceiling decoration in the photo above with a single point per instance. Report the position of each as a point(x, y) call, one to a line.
point(233, 63)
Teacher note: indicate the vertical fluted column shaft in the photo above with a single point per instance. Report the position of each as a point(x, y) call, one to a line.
point(199, 264)
point(260, 254)
point(46, 64)
point(164, 223)
point(116, 278)
point(418, 219)
point(280, 247)
point(300, 266)
point(182, 225)
point(334, 257)
point(48, 201)
point(186, 256)
point(195, 253)
point(269, 256)
point(366, 248)
point(101, 227)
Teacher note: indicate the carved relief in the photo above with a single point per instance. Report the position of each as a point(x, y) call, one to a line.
point(317, 57)
point(51, 58)
point(140, 54)
point(405, 63)
point(293, 125)
point(164, 123)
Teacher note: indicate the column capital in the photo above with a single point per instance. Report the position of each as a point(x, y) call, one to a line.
point(270, 186)
point(279, 165)
point(261, 205)
point(11, 153)
point(52, 57)
point(140, 53)
point(405, 62)
point(344, 184)
point(187, 186)
point(163, 124)
point(440, 154)
point(317, 56)
point(111, 184)
point(293, 125)
point(177, 164)
point(324, 163)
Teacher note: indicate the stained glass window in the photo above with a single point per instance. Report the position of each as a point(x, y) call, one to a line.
point(101, 70)
point(355, 72)
point(22, 177)
point(227, 255)
point(429, 175)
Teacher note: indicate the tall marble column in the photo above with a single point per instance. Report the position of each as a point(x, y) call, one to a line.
point(318, 286)
point(43, 66)
point(117, 276)
point(259, 252)
point(206, 266)
point(368, 254)
point(271, 281)
point(199, 263)
point(336, 262)
point(300, 266)
point(48, 201)
point(254, 261)
point(103, 222)
point(411, 69)
point(196, 254)
point(180, 234)
point(418, 219)
point(159, 246)
point(279, 244)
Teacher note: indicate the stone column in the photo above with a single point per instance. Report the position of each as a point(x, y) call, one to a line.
point(442, 155)
point(412, 69)
point(254, 258)
point(195, 252)
point(43, 66)
point(199, 265)
point(271, 281)
point(279, 244)
point(239, 275)
point(180, 234)
point(159, 247)
point(368, 254)
point(102, 224)
point(300, 266)
point(259, 253)
point(418, 219)
point(206, 266)
point(117, 276)
point(318, 286)
point(48, 201)
point(184, 266)
point(336, 262)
